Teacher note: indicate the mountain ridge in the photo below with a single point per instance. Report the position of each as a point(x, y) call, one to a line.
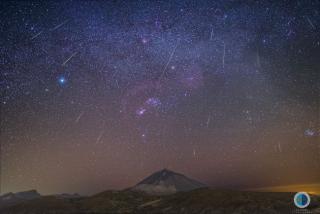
point(165, 182)
point(173, 198)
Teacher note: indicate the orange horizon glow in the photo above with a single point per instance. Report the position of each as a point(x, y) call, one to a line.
point(309, 188)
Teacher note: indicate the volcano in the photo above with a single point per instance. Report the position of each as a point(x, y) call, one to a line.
point(166, 182)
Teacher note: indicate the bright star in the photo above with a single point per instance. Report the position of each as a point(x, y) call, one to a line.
point(141, 111)
point(62, 80)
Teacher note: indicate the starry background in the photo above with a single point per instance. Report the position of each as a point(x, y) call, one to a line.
point(98, 95)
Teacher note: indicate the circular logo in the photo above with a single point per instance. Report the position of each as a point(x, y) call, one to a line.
point(302, 200)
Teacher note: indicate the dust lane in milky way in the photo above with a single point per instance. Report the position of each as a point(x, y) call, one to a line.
point(97, 95)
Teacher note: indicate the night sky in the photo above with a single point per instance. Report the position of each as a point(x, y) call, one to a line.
point(98, 95)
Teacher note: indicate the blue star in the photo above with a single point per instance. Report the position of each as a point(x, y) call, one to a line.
point(62, 80)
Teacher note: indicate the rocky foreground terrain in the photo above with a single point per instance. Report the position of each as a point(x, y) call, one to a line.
point(196, 201)
point(165, 192)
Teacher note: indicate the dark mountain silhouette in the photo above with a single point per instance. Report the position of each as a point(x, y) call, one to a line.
point(167, 182)
point(67, 195)
point(25, 195)
point(187, 197)
point(28, 195)
point(14, 198)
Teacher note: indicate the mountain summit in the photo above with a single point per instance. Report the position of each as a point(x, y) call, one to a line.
point(13, 198)
point(166, 182)
point(26, 195)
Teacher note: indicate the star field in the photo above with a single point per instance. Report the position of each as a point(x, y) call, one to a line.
point(97, 95)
